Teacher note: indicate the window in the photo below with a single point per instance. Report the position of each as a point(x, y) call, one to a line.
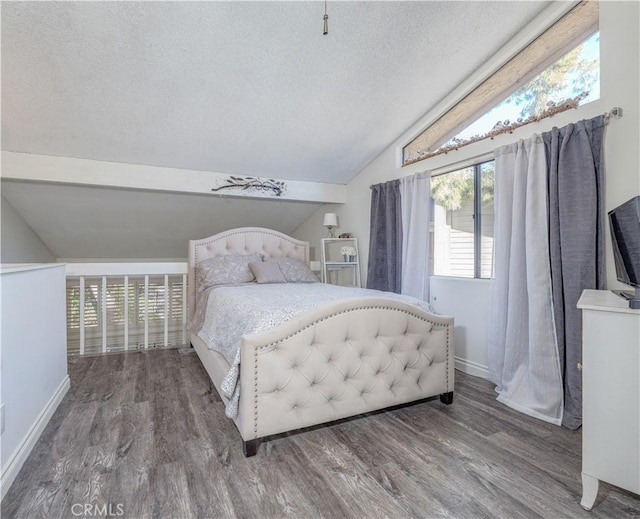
point(558, 71)
point(462, 235)
point(571, 81)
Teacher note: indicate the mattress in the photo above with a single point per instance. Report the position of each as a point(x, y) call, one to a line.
point(226, 313)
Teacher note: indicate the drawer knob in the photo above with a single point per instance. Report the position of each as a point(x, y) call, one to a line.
point(579, 366)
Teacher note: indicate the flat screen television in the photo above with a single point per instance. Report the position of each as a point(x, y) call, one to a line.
point(624, 222)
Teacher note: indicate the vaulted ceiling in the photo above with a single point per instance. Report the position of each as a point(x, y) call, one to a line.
point(248, 88)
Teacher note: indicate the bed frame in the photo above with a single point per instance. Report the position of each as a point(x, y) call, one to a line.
point(343, 359)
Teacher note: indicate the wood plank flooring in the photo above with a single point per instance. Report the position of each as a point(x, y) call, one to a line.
point(141, 432)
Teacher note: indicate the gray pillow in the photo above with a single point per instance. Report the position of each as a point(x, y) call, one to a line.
point(223, 270)
point(295, 271)
point(267, 272)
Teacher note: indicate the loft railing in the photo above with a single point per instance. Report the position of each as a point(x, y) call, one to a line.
point(115, 307)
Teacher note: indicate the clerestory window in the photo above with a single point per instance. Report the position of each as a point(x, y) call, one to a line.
point(558, 71)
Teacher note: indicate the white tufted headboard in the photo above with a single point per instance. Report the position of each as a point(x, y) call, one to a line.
point(244, 240)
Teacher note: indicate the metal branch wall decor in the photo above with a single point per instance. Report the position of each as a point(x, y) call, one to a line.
point(275, 187)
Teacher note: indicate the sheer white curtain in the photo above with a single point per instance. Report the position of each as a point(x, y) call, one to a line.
point(415, 193)
point(523, 350)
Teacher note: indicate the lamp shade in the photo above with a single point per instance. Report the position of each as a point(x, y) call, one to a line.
point(330, 219)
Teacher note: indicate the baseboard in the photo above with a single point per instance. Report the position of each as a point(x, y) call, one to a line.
point(20, 455)
point(472, 368)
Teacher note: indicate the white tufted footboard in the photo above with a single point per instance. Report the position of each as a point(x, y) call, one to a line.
point(344, 359)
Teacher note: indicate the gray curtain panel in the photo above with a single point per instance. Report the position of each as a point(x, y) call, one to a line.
point(576, 241)
point(385, 239)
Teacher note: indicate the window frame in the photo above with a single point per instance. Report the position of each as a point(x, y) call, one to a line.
point(577, 24)
point(477, 217)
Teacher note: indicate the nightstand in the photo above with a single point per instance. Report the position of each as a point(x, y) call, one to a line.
point(337, 268)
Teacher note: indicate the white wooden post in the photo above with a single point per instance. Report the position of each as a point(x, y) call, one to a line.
point(126, 312)
point(81, 315)
point(166, 310)
point(184, 309)
point(146, 311)
point(103, 302)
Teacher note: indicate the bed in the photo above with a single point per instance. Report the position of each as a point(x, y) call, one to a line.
point(340, 359)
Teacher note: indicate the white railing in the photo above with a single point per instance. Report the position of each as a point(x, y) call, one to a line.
point(125, 306)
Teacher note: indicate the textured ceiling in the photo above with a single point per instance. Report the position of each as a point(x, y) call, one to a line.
point(251, 88)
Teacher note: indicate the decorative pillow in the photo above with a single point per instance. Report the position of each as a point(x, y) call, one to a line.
point(223, 270)
point(267, 272)
point(295, 271)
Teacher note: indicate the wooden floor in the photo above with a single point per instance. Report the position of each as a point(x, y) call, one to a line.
point(141, 432)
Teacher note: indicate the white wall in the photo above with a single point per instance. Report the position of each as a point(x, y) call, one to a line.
point(620, 84)
point(19, 243)
point(33, 358)
point(465, 299)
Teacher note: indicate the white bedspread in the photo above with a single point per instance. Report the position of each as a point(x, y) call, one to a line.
point(233, 311)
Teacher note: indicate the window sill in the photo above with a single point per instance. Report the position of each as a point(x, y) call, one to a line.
point(458, 278)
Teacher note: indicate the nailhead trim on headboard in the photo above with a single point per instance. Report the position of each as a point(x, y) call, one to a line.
point(299, 249)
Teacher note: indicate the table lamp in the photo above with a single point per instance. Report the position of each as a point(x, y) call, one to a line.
point(330, 221)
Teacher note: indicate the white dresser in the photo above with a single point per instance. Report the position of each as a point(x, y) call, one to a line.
point(610, 393)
